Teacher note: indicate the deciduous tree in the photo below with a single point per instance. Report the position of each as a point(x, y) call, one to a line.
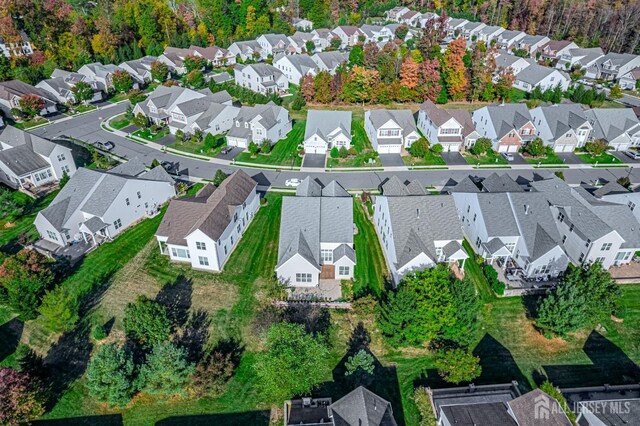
point(21, 397)
point(31, 105)
point(159, 71)
point(82, 92)
point(457, 365)
point(307, 87)
point(122, 81)
point(454, 69)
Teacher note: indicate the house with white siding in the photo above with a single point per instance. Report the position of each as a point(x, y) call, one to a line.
point(173, 58)
point(216, 56)
point(248, 50)
point(203, 230)
point(19, 47)
point(579, 57)
point(543, 77)
point(257, 123)
point(453, 129)
point(61, 84)
point(12, 91)
point(489, 33)
point(509, 126)
point(619, 127)
point(349, 35)
point(316, 236)
point(394, 14)
point(298, 42)
point(613, 192)
point(302, 24)
point(563, 127)
point(470, 30)
point(390, 131)
point(613, 66)
point(274, 44)
point(322, 38)
point(139, 69)
point(507, 39)
point(454, 26)
point(330, 61)
point(531, 44)
point(294, 67)
point(261, 78)
point(100, 74)
point(554, 49)
point(325, 130)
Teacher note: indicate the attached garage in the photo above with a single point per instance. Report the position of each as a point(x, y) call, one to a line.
point(621, 146)
point(315, 150)
point(512, 148)
point(389, 149)
point(450, 147)
point(564, 148)
point(239, 142)
point(502, 148)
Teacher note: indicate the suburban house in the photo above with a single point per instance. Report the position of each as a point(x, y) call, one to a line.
point(101, 74)
point(515, 229)
point(613, 192)
point(426, 17)
point(322, 38)
point(489, 33)
point(511, 62)
point(204, 229)
point(416, 230)
point(218, 78)
point(139, 69)
point(96, 205)
point(373, 33)
point(216, 56)
point(330, 61)
point(507, 39)
point(349, 35)
point(316, 236)
point(60, 86)
point(453, 129)
point(454, 26)
point(246, 50)
point(298, 42)
point(563, 127)
point(554, 49)
point(470, 30)
point(294, 67)
point(19, 47)
point(394, 14)
point(173, 58)
point(257, 123)
point(509, 126)
point(12, 91)
point(613, 66)
point(261, 78)
point(543, 77)
point(531, 43)
point(274, 44)
point(189, 110)
point(390, 130)
point(499, 404)
point(325, 130)
point(579, 57)
point(360, 407)
point(411, 18)
point(27, 160)
point(629, 81)
point(619, 127)
point(591, 230)
point(616, 404)
point(302, 24)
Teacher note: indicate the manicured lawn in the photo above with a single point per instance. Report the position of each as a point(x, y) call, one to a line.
point(371, 269)
point(547, 159)
point(430, 159)
point(474, 272)
point(28, 124)
point(516, 95)
point(119, 122)
point(146, 134)
point(284, 153)
point(118, 97)
point(489, 158)
point(360, 141)
point(201, 148)
point(82, 108)
point(605, 158)
point(10, 231)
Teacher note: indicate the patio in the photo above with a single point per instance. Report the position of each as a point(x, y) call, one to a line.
point(326, 290)
point(74, 252)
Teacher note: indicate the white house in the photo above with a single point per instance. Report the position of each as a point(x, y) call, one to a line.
point(12, 91)
point(508, 38)
point(513, 63)
point(531, 44)
point(173, 58)
point(582, 58)
point(629, 81)
point(454, 26)
point(489, 33)
point(325, 130)
point(453, 129)
point(204, 229)
point(554, 49)
point(330, 61)
point(620, 127)
point(543, 77)
point(322, 38)
point(19, 47)
point(563, 127)
point(394, 14)
point(298, 43)
point(97, 205)
point(61, 84)
point(316, 236)
point(302, 24)
point(139, 69)
point(509, 126)
point(257, 123)
point(416, 230)
point(261, 78)
point(613, 192)
point(349, 35)
point(101, 74)
point(27, 160)
point(390, 130)
point(294, 67)
point(216, 56)
point(613, 66)
point(470, 30)
point(248, 50)
point(274, 44)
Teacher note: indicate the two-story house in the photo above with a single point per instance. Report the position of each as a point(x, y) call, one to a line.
point(274, 44)
point(322, 38)
point(507, 39)
point(27, 160)
point(453, 129)
point(330, 61)
point(325, 130)
point(563, 127)
point(531, 44)
point(416, 230)
point(509, 126)
point(204, 229)
point(395, 13)
point(173, 58)
point(21, 46)
point(294, 67)
point(349, 35)
point(257, 123)
point(390, 131)
point(61, 84)
point(454, 26)
point(470, 30)
point(140, 69)
point(248, 50)
point(554, 49)
point(316, 236)
point(619, 127)
point(298, 43)
point(612, 66)
point(216, 56)
point(261, 78)
point(12, 91)
point(101, 74)
point(579, 58)
point(538, 76)
point(489, 34)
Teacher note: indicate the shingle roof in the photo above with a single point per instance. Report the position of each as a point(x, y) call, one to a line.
point(334, 189)
point(500, 183)
point(301, 62)
point(559, 119)
point(362, 407)
point(21, 160)
point(493, 413)
point(608, 124)
point(326, 122)
point(508, 117)
point(18, 88)
point(331, 59)
point(394, 187)
point(402, 117)
point(309, 188)
point(465, 185)
point(524, 408)
point(133, 167)
point(344, 250)
point(15, 137)
point(534, 74)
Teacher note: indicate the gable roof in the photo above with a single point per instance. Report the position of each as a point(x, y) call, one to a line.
point(559, 119)
point(11, 88)
point(507, 117)
point(608, 124)
point(500, 183)
point(523, 408)
point(331, 59)
point(402, 117)
point(394, 187)
point(362, 407)
point(324, 122)
point(21, 160)
point(301, 62)
point(534, 74)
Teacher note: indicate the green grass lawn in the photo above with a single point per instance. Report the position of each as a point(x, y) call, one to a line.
point(605, 158)
point(474, 271)
point(360, 141)
point(28, 124)
point(10, 231)
point(371, 269)
point(146, 134)
point(546, 159)
point(201, 148)
point(79, 109)
point(119, 122)
point(489, 158)
point(430, 159)
point(284, 153)
point(118, 98)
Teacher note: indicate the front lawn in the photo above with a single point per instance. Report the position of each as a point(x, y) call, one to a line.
point(430, 159)
point(486, 159)
point(605, 158)
point(148, 135)
point(79, 109)
point(549, 158)
point(361, 143)
point(28, 124)
point(119, 122)
point(371, 269)
point(284, 153)
point(210, 147)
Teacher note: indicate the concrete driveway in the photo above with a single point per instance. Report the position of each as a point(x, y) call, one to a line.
point(569, 158)
point(314, 160)
point(391, 160)
point(620, 155)
point(518, 159)
point(235, 151)
point(453, 159)
point(167, 140)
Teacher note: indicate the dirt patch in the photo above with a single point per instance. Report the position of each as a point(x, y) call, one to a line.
point(535, 341)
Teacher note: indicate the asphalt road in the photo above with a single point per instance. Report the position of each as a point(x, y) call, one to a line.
point(87, 128)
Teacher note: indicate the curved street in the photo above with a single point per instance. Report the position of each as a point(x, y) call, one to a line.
point(88, 128)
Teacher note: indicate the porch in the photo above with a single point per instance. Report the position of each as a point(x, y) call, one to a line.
point(514, 277)
point(74, 251)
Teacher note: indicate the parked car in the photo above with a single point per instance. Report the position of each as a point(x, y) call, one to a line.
point(633, 154)
point(507, 156)
point(106, 146)
point(167, 165)
point(293, 182)
point(226, 150)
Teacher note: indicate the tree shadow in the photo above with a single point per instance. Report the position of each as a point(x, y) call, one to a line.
point(231, 347)
point(177, 299)
point(609, 365)
point(195, 335)
point(316, 320)
point(530, 303)
point(498, 365)
point(106, 420)
point(10, 335)
point(108, 326)
point(257, 418)
point(98, 289)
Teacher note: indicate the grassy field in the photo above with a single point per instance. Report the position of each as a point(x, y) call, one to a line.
point(371, 269)
point(605, 158)
point(79, 109)
point(10, 231)
point(360, 141)
point(284, 153)
point(28, 124)
point(201, 148)
point(119, 122)
point(489, 158)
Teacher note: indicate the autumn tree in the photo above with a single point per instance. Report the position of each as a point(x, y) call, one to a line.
point(457, 365)
point(31, 105)
point(429, 80)
point(122, 81)
point(159, 71)
point(401, 31)
point(481, 70)
point(434, 30)
point(322, 87)
point(21, 397)
point(359, 87)
point(409, 73)
point(371, 52)
point(193, 63)
point(505, 81)
point(307, 87)
point(453, 67)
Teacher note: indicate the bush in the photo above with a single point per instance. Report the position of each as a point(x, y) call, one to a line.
point(482, 146)
point(353, 151)
point(253, 149)
point(436, 149)
point(60, 309)
point(334, 153)
point(265, 147)
point(166, 371)
point(213, 373)
point(343, 153)
point(21, 397)
point(219, 177)
point(99, 332)
point(535, 148)
point(419, 148)
point(457, 365)
point(423, 403)
point(110, 375)
point(147, 321)
point(491, 275)
point(548, 388)
point(362, 361)
point(298, 103)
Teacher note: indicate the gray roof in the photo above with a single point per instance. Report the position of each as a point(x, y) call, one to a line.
point(402, 117)
point(331, 59)
point(509, 35)
point(531, 39)
point(469, 395)
point(209, 211)
point(274, 39)
point(324, 122)
point(508, 117)
point(534, 74)
point(491, 29)
point(394, 187)
point(133, 167)
point(94, 224)
point(418, 221)
point(465, 185)
point(523, 408)
point(18, 88)
point(610, 413)
point(609, 189)
point(498, 219)
point(221, 77)
point(21, 160)
point(500, 183)
point(264, 70)
point(301, 62)
point(559, 119)
point(491, 413)
point(609, 123)
point(15, 137)
point(344, 250)
point(268, 117)
point(361, 407)
point(334, 189)
point(309, 188)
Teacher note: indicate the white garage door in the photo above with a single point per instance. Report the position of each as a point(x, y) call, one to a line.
point(620, 147)
point(512, 148)
point(502, 148)
point(315, 150)
point(563, 148)
point(389, 149)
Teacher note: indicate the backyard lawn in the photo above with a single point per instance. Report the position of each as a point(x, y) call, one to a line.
point(360, 141)
point(10, 231)
point(489, 158)
point(284, 153)
point(371, 269)
point(605, 158)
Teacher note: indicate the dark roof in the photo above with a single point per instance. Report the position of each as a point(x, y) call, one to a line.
point(394, 187)
point(361, 407)
point(21, 160)
point(526, 406)
point(465, 185)
point(314, 413)
point(309, 188)
point(489, 414)
point(500, 183)
point(618, 412)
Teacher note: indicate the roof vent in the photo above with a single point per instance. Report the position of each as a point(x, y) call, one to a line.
point(526, 209)
point(306, 402)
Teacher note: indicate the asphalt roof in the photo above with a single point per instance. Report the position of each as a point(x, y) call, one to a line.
point(558, 119)
point(394, 187)
point(361, 407)
point(500, 183)
point(21, 160)
point(309, 188)
point(525, 407)
point(608, 124)
point(487, 414)
point(402, 117)
point(326, 122)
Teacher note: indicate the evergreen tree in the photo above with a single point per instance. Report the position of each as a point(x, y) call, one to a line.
point(166, 370)
point(147, 321)
point(111, 375)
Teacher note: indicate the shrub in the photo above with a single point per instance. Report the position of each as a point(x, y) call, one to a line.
point(457, 365)
point(423, 403)
point(265, 147)
point(491, 275)
point(362, 360)
point(535, 148)
point(343, 153)
point(419, 148)
point(353, 151)
point(60, 309)
point(334, 153)
point(298, 103)
point(146, 321)
point(213, 373)
point(482, 146)
point(110, 375)
point(253, 149)
point(436, 149)
point(99, 332)
point(166, 370)
point(219, 177)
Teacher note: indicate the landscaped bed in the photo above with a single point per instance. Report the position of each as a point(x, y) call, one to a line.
point(549, 158)
point(284, 153)
point(364, 150)
point(211, 146)
point(430, 159)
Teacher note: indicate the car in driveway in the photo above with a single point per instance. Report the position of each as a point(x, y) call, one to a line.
point(167, 165)
point(293, 182)
point(633, 154)
point(507, 156)
point(106, 146)
point(226, 150)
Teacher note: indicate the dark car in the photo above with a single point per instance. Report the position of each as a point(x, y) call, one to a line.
point(107, 146)
point(226, 150)
point(167, 165)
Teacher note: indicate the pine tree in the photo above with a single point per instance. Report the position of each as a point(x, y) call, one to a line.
point(111, 375)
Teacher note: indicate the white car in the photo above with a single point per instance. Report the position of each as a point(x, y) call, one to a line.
point(633, 154)
point(507, 156)
point(293, 182)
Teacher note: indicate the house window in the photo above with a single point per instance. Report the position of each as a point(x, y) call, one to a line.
point(474, 216)
point(581, 258)
point(600, 259)
point(139, 195)
point(201, 246)
point(560, 217)
point(478, 242)
point(52, 235)
point(587, 243)
point(232, 240)
point(117, 224)
point(564, 238)
point(61, 157)
point(238, 228)
point(303, 278)
point(235, 217)
point(606, 247)
point(343, 270)
point(126, 200)
point(623, 255)
point(389, 132)
point(180, 252)
point(571, 228)
point(204, 261)
point(327, 255)
point(65, 169)
point(225, 249)
point(632, 205)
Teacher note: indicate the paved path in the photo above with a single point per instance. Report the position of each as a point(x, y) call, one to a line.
point(88, 128)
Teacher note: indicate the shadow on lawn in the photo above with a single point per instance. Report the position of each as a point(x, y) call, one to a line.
point(10, 335)
point(177, 298)
point(106, 420)
point(257, 418)
point(609, 365)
